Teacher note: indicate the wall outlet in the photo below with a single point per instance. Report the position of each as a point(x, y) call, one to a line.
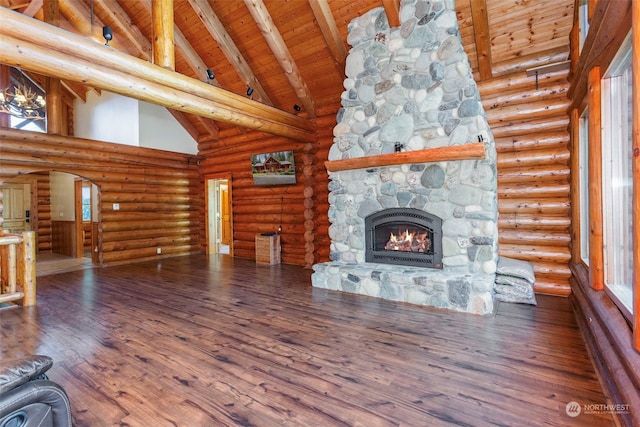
point(158, 250)
point(116, 206)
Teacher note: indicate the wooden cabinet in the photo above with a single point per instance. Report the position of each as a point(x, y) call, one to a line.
point(267, 249)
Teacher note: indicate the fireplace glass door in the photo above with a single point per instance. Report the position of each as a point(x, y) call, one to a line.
point(404, 236)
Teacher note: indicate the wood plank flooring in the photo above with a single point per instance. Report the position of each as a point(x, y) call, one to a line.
point(218, 341)
point(48, 263)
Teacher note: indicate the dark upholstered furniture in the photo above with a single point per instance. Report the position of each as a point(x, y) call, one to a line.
point(28, 398)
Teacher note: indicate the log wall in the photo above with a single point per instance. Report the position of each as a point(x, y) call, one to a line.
point(159, 193)
point(530, 126)
point(321, 187)
point(531, 130)
point(260, 209)
point(612, 339)
point(43, 213)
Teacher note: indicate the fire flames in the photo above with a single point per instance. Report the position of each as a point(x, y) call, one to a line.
point(408, 242)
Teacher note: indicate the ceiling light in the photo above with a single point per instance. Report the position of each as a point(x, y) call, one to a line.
point(23, 102)
point(249, 91)
point(210, 75)
point(107, 34)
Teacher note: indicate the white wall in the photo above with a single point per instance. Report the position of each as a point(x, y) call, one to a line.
point(107, 117)
point(62, 196)
point(114, 118)
point(159, 129)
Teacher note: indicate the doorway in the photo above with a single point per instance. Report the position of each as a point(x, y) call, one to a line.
point(62, 209)
point(219, 216)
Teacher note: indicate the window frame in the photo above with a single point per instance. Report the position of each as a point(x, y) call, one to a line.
point(583, 181)
point(616, 133)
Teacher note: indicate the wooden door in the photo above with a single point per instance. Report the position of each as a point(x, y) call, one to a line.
point(225, 216)
point(17, 207)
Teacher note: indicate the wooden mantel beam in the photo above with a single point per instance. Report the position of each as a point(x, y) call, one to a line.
point(48, 50)
point(474, 151)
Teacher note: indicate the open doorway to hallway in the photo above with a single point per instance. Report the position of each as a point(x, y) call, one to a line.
point(62, 209)
point(219, 215)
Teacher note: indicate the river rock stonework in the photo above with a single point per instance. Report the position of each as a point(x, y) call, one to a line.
point(411, 88)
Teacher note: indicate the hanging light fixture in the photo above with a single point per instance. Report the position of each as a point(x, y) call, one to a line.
point(107, 33)
point(210, 75)
point(23, 102)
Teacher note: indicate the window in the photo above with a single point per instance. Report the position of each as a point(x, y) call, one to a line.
point(86, 201)
point(617, 178)
point(583, 17)
point(584, 185)
point(23, 101)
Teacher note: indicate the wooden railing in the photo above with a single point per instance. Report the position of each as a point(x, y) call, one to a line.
point(18, 267)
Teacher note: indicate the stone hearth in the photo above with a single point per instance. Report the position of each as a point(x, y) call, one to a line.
point(410, 89)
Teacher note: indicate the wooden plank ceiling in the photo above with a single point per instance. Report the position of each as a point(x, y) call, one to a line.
point(292, 53)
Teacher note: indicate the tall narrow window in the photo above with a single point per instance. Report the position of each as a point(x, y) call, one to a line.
point(583, 16)
point(86, 201)
point(617, 178)
point(584, 186)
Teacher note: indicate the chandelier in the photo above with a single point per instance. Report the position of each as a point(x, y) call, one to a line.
point(23, 102)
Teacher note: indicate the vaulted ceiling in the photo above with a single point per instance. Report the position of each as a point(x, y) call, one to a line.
point(292, 52)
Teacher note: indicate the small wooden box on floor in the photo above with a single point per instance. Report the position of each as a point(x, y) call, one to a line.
point(267, 249)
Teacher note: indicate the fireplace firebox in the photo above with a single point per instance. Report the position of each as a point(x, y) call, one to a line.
point(404, 236)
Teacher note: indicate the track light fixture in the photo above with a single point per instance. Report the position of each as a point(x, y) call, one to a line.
point(249, 91)
point(296, 108)
point(210, 75)
point(107, 34)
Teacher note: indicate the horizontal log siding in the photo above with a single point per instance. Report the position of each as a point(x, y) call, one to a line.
point(159, 192)
point(321, 187)
point(43, 214)
point(530, 129)
point(258, 209)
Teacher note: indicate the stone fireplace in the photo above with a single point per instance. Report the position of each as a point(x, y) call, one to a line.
point(412, 200)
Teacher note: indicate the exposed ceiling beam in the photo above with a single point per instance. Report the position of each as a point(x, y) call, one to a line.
point(10, 5)
point(132, 33)
point(392, 10)
point(79, 16)
point(229, 48)
point(39, 47)
point(211, 127)
point(271, 34)
point(191, 57)
point(125, 27)
point(196, 64)
point(185, 123)
point(482, 38)
point(162, 39)
point(51, 12)
point(78, 90)
point(33, 8)
point(330, 32)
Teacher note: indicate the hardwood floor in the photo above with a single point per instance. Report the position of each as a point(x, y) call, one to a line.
point(217, 341)
point(48, 263)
